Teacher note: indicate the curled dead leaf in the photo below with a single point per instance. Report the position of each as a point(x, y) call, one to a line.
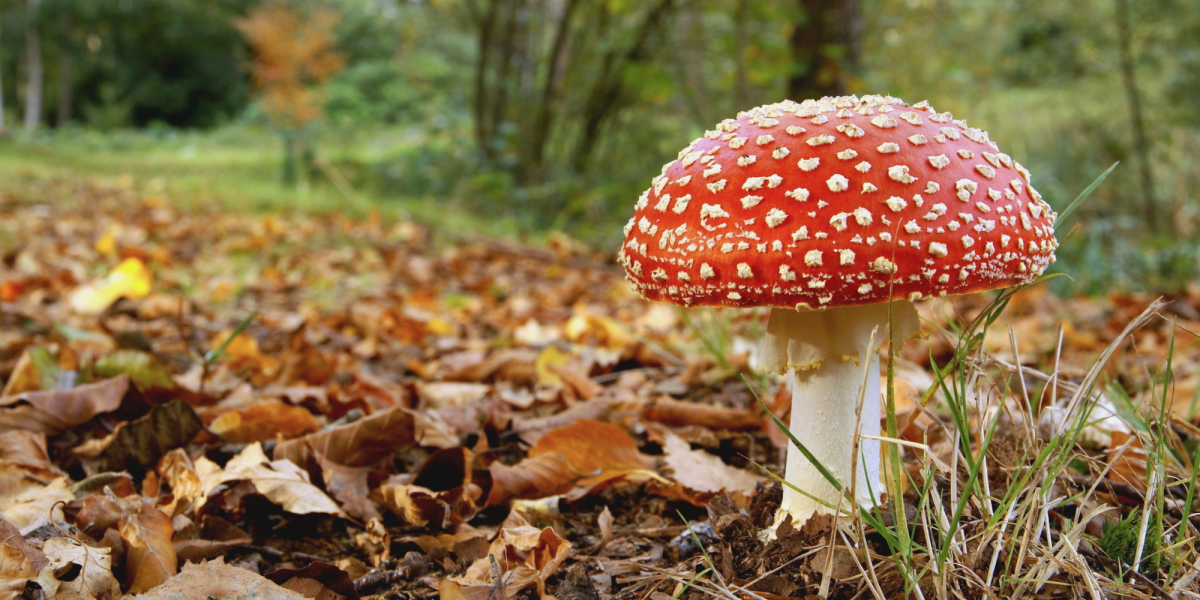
point(573, 460)
point(442, 493)
point(19, 561)
point(361, 443)
point(520, 556)
point(139, 444)
point(149, 555)
point(54, 411)
point(281, 481)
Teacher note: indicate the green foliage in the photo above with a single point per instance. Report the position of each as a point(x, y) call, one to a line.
point(1119, 540)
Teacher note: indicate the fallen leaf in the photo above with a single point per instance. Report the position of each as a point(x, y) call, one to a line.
point(215, 536)
point(149, 556)
point(94, 580)
point(131, 279)
point(25, 448)
point(438, 394)
point(54, 411)
point(574, 460)
point(139, 444)
point(215, 579)
point(19, 561)
point(703, 472)
point(521, 555)
point(319, 580)
point(176, 469)
point(514, 365)
point(30, 506)
point(142, 368)
point(581, 384)
point(264, 421)
point(441, 493)
point(281, 481)
point(242, 353)
point(361, 443)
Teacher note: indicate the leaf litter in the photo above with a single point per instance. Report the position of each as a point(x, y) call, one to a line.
point(209, 404)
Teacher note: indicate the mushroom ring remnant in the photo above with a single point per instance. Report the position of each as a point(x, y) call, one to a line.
point(845, 204)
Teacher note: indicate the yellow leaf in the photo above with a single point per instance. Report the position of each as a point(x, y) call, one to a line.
point(107, 244)
point(550, 356)
point(439, 327)
point(131, 279)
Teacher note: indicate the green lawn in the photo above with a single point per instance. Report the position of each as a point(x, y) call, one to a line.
point(238, 168)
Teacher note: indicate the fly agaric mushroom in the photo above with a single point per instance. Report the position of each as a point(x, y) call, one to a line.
point(836, 213)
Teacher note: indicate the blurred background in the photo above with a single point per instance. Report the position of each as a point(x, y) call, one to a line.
point(522, 117)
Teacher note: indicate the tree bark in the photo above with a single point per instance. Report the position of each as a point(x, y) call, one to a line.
point(1141, 144)
point(483, 129)
point(535, 156)
point(826, 44)
point(66, 75)
point(33, 62)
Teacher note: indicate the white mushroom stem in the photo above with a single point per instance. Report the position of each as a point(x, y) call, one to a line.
point(832, 355)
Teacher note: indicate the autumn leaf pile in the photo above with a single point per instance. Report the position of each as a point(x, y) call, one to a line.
point(203, 403)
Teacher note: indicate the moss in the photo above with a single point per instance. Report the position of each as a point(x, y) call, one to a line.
point(1119, 540)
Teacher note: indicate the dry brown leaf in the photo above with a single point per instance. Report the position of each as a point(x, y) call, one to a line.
point(213, 537)
point(94, 580)
point(24, 377)
point(437, 394)
point(264, 421)
point(523, 554)
point(54, 411)
point(358, 444)
point(514, 365)
point(703, 472)
point(349, 486)
point(441, 493)
point(319, 580)
point(25, 448)
point(574, 460)
point(29, 506)
point(1128, 463)
point(580, 383)
point(215, 579)
point(677, 413)
point(281, 481)
point(177, 470)
point(139, 444)
point(149, 555)
point(19, 562)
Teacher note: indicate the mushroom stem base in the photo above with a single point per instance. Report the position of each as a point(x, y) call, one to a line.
point(824, 420)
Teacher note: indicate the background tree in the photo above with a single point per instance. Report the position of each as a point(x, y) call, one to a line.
point(293, 57)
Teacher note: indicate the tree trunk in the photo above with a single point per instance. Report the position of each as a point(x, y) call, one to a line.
point(66, 54)
point(1141, 144)
point(33, 62)
point(483, 128)
point(534, 165)
point(825, 44)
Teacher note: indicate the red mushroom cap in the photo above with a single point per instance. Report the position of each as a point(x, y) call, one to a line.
point(837, 202)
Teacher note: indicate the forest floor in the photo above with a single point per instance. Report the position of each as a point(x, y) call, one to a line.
point(201, 402)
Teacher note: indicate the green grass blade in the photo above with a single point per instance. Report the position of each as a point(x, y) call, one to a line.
point(1087, 191)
